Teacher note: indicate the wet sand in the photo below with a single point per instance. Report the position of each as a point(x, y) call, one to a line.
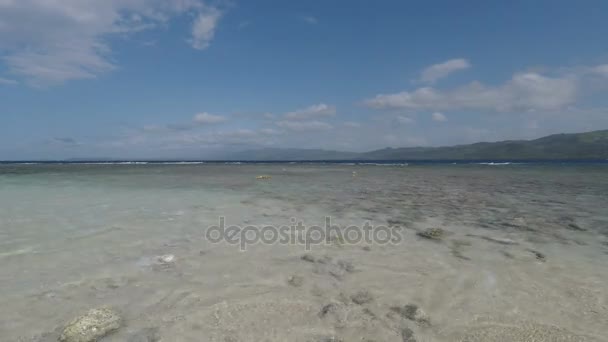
point(523, 254)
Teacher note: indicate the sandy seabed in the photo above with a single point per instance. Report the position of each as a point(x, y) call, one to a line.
point(523, 253)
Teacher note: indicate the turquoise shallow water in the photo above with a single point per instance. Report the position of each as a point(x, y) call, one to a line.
point(523, 243)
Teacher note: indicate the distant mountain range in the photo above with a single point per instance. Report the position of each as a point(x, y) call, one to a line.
point(590, 145)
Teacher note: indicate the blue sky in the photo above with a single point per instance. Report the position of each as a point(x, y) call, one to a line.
point(196, 79)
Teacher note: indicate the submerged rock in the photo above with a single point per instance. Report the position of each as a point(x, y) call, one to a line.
point(498, 240)
point(295, 281)
point(346, 266)
point(413, 313)
point(91, 326)
point(370, 313)
point(396, 222)
point(321, 260)
point(407, 335)
point(457, 249)
point(327, 308)
point(539, 256)
point(574, 226)
point(337, 270)
point(308, 258)
point(362, 297)
point(164, 262)
point(432, 233)
point(327, 265)
point(166, 259)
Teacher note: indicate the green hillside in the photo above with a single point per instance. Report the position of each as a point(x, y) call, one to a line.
point(591, 145)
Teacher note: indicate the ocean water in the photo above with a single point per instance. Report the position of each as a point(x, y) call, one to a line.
point(523, 255)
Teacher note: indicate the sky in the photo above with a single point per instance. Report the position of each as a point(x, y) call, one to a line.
point(195, 79)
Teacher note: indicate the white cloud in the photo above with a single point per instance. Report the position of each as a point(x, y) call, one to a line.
point(203, 28)
point(244, 24)
point(153, 128)
point(315, 111)
point(310, 19)
point(404, 120)
point(200, 119)
point(601, 70)
point(67, 61)
point(206, 119)
point(7, 81)
point(239, 135)
point(524, 91)
point(304, 125)
point(441, 70)
point(65, 141)
point(439, 117)
point(270, 131)
point(170, 139)
point(50, 41)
